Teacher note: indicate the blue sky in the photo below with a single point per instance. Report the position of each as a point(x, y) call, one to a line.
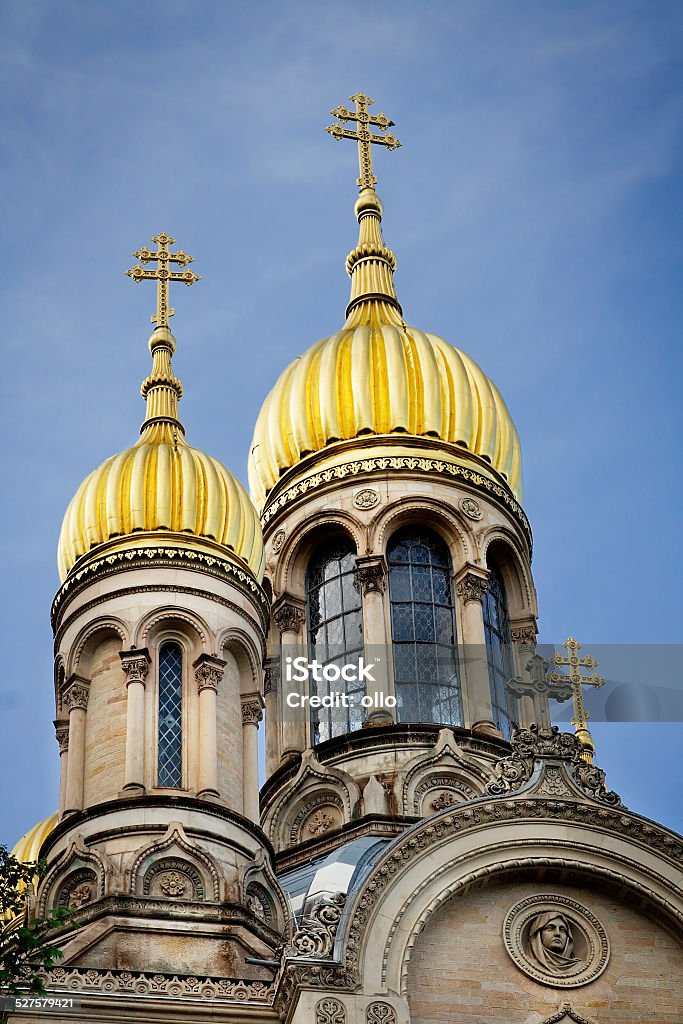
point(535, 210)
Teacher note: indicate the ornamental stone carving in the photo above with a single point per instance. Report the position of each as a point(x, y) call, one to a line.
point(472, 587)
point(329, 1011)
point(556, 941)
point(76, 693)
point(174, 878)
point(370, 575)
point(318, 928)
point(366, 498)
point(278, 542)
point(524, 635)
point(172, 884)
point(289, 617)
point(471, 508)
point(252, 712)
point(79, 889)
point(259, 902)
point(443, 800)
point(566, 1015)
point(380, 1013)
point(62, 736)
point(548, 744)
point(319, 822)
point(135, 663)
point(208, 672)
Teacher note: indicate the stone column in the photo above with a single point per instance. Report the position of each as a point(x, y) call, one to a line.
point(289, 615)
point(371, 580)
point(75, 698)
point(523, 636)
point(471, 584)
point(62, 734)
point(135, 663)
point(271, 676)
point(252, 713)
point(208, 673)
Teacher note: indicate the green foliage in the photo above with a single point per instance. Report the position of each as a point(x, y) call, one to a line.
point(25, 945)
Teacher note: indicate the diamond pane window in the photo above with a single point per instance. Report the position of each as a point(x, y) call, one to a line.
point(423, 628)
point(498, 649)
point(335, 633)
point(170, 745)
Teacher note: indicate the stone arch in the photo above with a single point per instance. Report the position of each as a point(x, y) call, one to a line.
point(83, 647)
point(318, 790)
point(175, 618)
point(440, 778)
point(247, 656)
point(175, 852)
point(258, 880)
point(471, 846)
point(296, 552)
point(503, 547)
point(438, 515)
point(78, 866)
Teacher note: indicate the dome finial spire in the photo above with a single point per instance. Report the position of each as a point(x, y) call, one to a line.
point(371, 265)
point(162, 389)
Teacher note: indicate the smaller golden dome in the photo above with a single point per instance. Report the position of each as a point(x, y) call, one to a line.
point(161, 483)
point(28, 847)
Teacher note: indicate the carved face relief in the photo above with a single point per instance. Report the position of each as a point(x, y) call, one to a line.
point(556, 941)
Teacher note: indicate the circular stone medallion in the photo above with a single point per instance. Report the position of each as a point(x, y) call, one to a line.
point(471, 508)
point(556, 941)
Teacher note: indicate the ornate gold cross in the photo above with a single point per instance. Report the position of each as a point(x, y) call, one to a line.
point(162, 275)
point(577, 681)
point(363, 135)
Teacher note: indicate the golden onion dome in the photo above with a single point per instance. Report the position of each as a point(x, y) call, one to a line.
point(161, 485)
point(28, 847)
point(378, 376)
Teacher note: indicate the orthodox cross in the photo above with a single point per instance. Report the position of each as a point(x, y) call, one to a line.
point(577, 681)
point(162, 275)
point(363, 134)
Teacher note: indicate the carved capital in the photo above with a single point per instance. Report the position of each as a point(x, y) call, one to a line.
point(76, 691)
point(252, 709)
point(370, 574)
point(271, 675)
point(62, 735)
point(135, 663)
point(208, 672)
point(524, 633)
point(289, 615)
point(471, 584)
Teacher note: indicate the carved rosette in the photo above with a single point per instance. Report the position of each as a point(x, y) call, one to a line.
point(289, 617)
point(208, 672)
point(318, 927)
point(252, 711)
point(472, 587)
point(136, 665)
point(330, 1011)
point(380, 1012)
point(370, 575)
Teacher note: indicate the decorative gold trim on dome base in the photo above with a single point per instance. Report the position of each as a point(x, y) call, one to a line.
point(159, 549)
point(432, 456)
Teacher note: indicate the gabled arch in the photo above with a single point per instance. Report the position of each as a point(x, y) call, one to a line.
point(76, 857)
point(446, 769)
point(174, 839)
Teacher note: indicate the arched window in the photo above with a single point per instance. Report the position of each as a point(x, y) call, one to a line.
point(423, 628)
point(498, 649)
point(170, 729)
point(335, 634)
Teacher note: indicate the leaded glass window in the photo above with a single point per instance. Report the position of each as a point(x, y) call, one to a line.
point(170, 745)
point(423, 628)
point(335, 634)
point(498, 649)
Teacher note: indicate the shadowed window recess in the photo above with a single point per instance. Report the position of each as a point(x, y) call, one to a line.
point(498, 650)
point(170, 738)
point(335, 634)
point(423, 628)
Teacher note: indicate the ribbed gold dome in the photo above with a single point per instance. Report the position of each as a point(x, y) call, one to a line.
point(377, 376)
point(161, 484)
point(29, 845)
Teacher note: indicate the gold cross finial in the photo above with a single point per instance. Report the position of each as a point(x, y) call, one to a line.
point(363, 135)
point(577, 681)
point(162, 275)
